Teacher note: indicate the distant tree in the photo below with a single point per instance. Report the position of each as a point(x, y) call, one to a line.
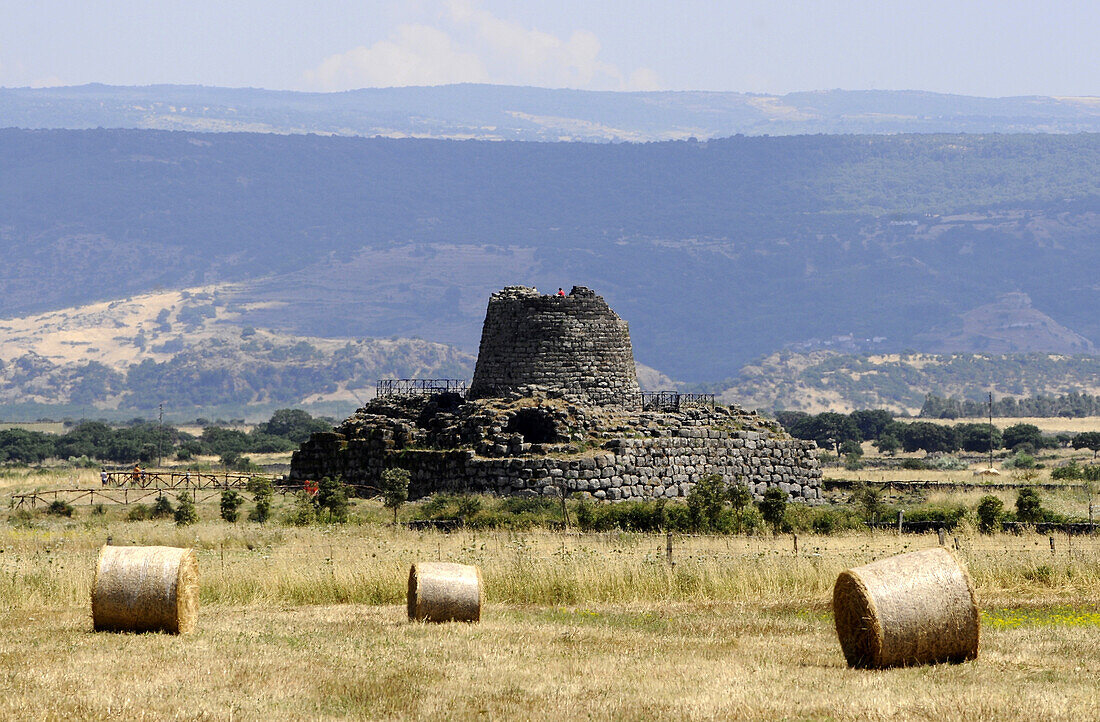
point(774, 507)
point(395, 489)
point(975, 437)
point(851, 448)
point(705, 503)
point(293, 424)
point(26, 447)
point(1021, 434)
point(332, 500)
point(932, 438)
point(740, 497)
point(1088, 440)
point(887, 444)
point(829, 429)
point(871, 422)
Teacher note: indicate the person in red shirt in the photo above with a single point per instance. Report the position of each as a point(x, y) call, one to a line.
point(561, 292)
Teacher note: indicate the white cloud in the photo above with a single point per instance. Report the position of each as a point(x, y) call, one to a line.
point(489, 50)
point(414, 55)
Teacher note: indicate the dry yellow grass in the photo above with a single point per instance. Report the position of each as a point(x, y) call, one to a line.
point(311, 623)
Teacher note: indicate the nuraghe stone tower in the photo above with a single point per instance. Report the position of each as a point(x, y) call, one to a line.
point(574, 344)
point(554, 407)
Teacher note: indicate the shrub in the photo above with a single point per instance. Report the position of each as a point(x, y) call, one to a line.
point(162, 508)
point(853, 462)
point(948, 463)
point(304, 512)
point(1029, 509)
point(99, 510)
point(230, 503)
point(869, 500)
point(914, 464)
point(947, 516)
point(138, 512)
point(58, 507)
point(1069, 472)
point(185, 510)
point(990, 509)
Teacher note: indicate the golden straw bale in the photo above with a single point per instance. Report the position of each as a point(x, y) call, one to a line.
point(145, 589)
point(916, 608)
point(444, 592)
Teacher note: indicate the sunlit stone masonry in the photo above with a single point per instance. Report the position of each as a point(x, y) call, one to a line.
point(554, 407)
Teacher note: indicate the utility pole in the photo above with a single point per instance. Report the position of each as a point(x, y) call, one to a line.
point(990, 429)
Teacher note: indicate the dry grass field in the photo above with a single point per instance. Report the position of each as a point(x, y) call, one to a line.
point(309, 623)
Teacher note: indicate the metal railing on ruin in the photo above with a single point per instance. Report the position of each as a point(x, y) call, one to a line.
point(674, 401)
point(420, 387)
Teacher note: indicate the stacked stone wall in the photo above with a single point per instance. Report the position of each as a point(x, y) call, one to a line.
point(574, 344)
point(642, 468)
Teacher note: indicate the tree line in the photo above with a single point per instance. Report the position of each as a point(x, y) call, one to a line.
point(144, 441)
point(1071, 405)
point(843, 434)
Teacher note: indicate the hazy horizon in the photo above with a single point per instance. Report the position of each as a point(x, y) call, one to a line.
point(986, 48)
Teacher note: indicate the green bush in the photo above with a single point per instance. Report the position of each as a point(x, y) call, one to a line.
point(1029, 508)
point(948, 463)
point(262, 492)
point(162, 508)
point(705, 503)
point(185, 513)
point(230, 504)
point(990, 512)
point(138, 512)
point(914, 464)
point(948, 516)
point(773, 507)
point(1069, 472)
point(332, 501)
point(58, 507)
point(304, 511)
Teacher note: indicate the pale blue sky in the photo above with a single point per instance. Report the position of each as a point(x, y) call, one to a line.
point(984, 47)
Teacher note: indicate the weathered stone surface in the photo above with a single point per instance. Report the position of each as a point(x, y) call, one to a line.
point(574, 344)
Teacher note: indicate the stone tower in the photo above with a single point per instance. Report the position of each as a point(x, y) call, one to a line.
point(573, 344)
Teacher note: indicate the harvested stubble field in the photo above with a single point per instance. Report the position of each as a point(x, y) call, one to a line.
point(310, 623)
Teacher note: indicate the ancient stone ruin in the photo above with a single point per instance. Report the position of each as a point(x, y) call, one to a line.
point(573, 344)
point(554, 407)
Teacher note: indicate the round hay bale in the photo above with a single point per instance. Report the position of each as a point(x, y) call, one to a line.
point(145, 589)
point(915, 608)
point(444, 592)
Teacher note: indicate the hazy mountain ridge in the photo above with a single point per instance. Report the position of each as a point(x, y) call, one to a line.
point(716, 253)
point(188, 349)
point(498, 112)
